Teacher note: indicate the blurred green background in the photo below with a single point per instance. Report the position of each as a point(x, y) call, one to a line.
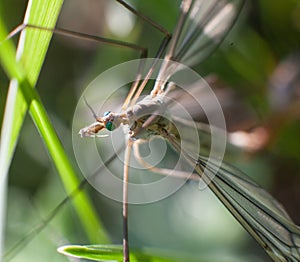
point(259, 62)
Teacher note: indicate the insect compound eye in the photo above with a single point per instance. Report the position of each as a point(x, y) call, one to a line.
point(109, 126)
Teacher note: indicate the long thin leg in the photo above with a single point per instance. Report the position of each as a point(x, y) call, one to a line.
point(185, 6)
point(163, 46)
point(125, 201)
point(162, 171)
point(83, 36)
point(134, 88)
point(143, 51)
point(144, 17)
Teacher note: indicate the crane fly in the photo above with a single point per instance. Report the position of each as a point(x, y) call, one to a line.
point(201, 27)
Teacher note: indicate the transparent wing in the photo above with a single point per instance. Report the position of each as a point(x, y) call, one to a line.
point(260, 214)
point(255, 209)
point(202, 26)
point(205, 27)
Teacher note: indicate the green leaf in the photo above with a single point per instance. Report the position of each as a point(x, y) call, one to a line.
point(115, 253)
point(31, 53)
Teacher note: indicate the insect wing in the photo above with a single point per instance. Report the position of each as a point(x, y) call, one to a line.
point(207, 24)
point(260, 214)
point(203, 25)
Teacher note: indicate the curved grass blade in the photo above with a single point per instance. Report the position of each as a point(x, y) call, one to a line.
point(115, 253)
point(7, 57)
point(31, 53)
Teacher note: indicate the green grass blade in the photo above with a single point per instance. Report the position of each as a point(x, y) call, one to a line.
point(115, 253)
point(31, 52)
point(7, 144)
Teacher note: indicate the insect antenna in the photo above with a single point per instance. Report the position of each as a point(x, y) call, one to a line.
point(90, 108)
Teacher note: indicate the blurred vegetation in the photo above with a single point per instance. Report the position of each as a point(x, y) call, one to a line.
point(259, 62)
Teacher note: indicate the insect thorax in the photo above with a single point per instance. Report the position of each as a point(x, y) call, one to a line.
point(150, 117)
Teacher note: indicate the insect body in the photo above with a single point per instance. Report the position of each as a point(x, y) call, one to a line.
point(136, 117)
point(201, 26)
